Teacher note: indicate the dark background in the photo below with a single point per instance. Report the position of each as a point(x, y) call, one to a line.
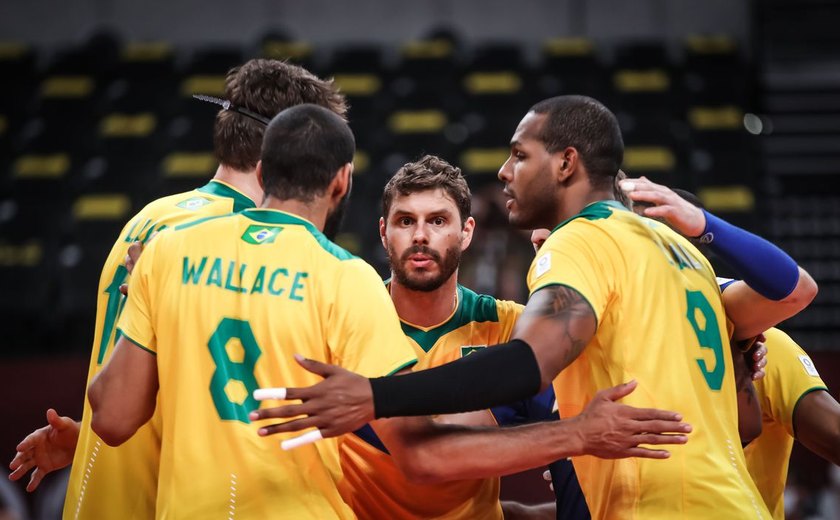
point(736, 101)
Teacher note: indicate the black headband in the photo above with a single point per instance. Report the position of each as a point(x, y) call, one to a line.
point(227, 105)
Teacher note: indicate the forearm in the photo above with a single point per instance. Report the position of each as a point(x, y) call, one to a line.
point(762, 265)
point(451, 452)
point(518, 511)
point(471, 383)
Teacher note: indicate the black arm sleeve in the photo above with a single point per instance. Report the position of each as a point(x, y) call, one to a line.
point(494, 376)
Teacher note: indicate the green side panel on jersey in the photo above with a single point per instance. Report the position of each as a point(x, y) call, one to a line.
point(472, 307)
point(280, 217)
point(595, 211)
point(240, 201)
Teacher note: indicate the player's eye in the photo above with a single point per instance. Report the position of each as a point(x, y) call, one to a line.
point(405, 221)
point(438, 221)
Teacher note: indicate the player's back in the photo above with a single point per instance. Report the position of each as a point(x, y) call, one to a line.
point(373, 484)
point(230, 301)
point(122, 482)
point(660, 322)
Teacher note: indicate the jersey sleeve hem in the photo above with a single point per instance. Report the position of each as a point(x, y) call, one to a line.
point(793, 413)
point(136, 343)
point(549, 284)
point(403, 366)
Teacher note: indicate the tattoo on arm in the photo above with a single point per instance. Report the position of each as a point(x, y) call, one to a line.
point(565, 306)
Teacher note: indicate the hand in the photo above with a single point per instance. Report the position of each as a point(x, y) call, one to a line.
point(46, 449)
point(134, 252)
point(611, 430)
point(686, 218)
point(756, 357)
point(341, 403)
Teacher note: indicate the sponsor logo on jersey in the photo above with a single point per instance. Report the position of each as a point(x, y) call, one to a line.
point(543, 265)
point(194, 203)
point(810, 369)
point(259, 235)
point(466, 350)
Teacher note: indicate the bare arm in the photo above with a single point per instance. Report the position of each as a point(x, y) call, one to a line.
point(752, 313)
point(749, 311)
point(749, 408)
point(816, 422)
point(428, 452)
point(519, 511)
point(123, 394)
point(557, 323)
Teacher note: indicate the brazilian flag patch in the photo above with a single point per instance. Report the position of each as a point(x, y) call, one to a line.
point(259, 235)
point(194, 203)
point(466, 350)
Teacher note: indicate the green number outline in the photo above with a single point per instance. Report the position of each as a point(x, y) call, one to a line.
point(227, 369)
point(708, 337)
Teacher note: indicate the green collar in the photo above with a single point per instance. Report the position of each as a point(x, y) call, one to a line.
point(595, 211)
point(221, 189)
point(275, 216)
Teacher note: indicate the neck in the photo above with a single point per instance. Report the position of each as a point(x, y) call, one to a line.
point(581, 200)
point(315, 211)
point(425, 309)
point(244, 181)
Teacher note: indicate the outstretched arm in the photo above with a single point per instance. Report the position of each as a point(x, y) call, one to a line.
point(431, 453)
point(774, 287)
point(46, 449)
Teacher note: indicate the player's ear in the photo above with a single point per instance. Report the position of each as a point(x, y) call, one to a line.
point(382, 229)
point(259, 174)
point(342, 182)
point(564, 163)
point(467, 233)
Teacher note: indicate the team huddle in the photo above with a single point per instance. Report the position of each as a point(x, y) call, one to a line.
point(255, 369)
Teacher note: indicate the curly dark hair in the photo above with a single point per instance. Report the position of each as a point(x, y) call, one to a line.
point(429, 173)
point(266, 87)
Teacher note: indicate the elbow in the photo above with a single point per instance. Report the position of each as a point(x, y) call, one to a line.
point(805, 291)
point(109, 430)
point(421, 467)
point(105, 423)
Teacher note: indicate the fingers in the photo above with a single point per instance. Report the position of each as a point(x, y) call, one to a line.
point(645, 453)
point(261, 394)
point(280, 412)
point(617, 392)
point(35, 480)
point(316, 367)
point(660, 426)
point(653, 438)
point(20, 466)
point(652, 414)
point(289, 426)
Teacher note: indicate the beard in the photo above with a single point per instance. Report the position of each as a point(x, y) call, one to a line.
point(448, 264)
point(332, 225)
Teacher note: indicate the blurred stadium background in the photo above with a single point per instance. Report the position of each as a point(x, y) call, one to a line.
point(737, 101)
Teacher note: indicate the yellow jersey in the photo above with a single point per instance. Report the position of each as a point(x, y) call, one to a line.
point(660, 322)
point(373, 485)
point(224, 304)
point(790, 376)
point(121, 482)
